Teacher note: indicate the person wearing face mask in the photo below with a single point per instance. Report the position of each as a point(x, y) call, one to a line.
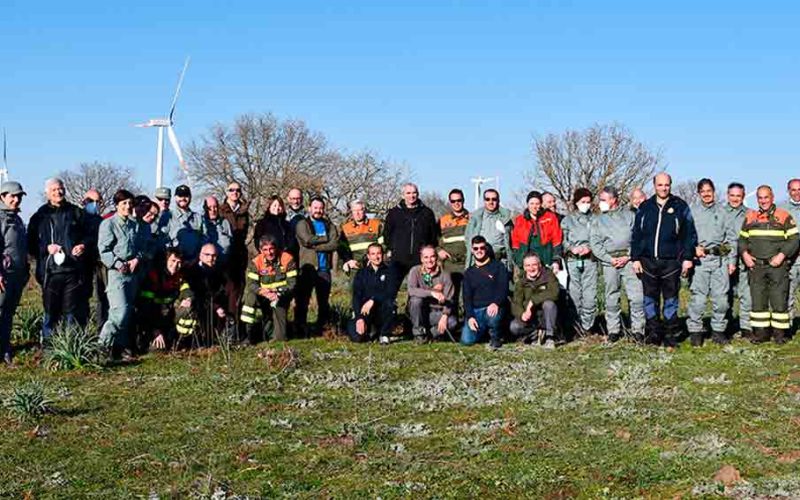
point(121, 248)
point(57, 240)
point(537, 230)
point(94, 278)
point(714, 263)
point(792, 205)
point(494, 223)
point(156, 303)
point(581, 266)
point(14, 269)
point(610, 241)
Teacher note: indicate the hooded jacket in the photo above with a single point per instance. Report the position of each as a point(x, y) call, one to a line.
point(406, 230)
point(13, 242)
point(62, 225)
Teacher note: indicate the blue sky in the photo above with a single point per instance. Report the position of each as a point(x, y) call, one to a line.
point(451, 89)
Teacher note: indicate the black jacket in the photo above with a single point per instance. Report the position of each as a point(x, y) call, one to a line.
point(279, 228)
point(663, 232)
point(379, 285)
point(484, 285)
point(63, 225)
point(406, 230)
point(206, 289)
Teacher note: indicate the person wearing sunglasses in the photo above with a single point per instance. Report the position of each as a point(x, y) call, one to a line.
point(485, 295)
point(236, 210)
point(494, 223)
point(452, 249)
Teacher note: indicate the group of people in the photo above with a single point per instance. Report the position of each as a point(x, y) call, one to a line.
point(165, 277)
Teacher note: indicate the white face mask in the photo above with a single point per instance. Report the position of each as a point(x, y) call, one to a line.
point(59, 257)
point(604, 206)
point(584, 207)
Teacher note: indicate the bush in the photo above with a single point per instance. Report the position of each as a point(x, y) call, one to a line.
point(72, 348)
point(28, 401)
point(27, 325)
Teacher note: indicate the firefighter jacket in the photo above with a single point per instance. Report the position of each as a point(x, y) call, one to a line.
point(765, 233)
point(356, 237)
point(452, 230)
point(280, 275)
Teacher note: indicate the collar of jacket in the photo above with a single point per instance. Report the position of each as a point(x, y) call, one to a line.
point(5, 208)
point(503, 213)
point(402, 205)
point(545, 275)
point(769, 211)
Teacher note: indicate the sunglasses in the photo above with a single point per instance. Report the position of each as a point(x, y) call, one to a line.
point(457, 200)
point(478, 249)
point(234, 190)
point(491, 199)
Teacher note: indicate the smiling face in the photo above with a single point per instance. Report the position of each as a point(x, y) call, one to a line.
point(794, 191)
point(55, 193)
point(549, 202)
point(491, 200)
point(532, 267)
point(735, 197)
point(534, 205)
point(706, 194)
point(208, 255)
point(212, 208)
point(12, 201)
point(479, 251)
point(183, 202)
point(174, 264)
point(125, 207)
point(375, 255)
point(428, 259)
point(662, 184)
point(269, 251)
point(765, 198)
point(410, 195)
point(317, 209)
point(234, 193)
point(359, 214)
point(295, 199)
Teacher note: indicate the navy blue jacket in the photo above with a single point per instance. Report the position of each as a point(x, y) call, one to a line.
point(370, 284)
point(484, 285)
point(663, 232)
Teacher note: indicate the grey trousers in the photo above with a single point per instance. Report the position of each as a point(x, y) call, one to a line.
point(544, 317)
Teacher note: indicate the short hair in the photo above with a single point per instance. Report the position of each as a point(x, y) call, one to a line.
point(548, 193)
point(122, 195)
point(174, 252)
point(705, 181)
point(454, 191)
point(788, 184)
point(735, 185)
point(53, 180)
point(531, 255)
point(492, 190)
point(357, 201)
point(477, 239)
point(765, 186)
point(205, 201)
point(268, 239)
point(662, 173)
point(210, 245)
point(374, 245)
point(316, 198)
point(427, 247)
point(410, 184)
point(611, 191)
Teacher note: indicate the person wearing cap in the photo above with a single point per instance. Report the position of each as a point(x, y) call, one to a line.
point(163, 196)
point(121, 245)
point(185, 228)
point(57, 240)
point(580, 263)
point(14, 271)
point(95, 277)
point(217, 229)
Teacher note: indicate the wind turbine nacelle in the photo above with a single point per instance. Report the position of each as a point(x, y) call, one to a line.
point(156, 122)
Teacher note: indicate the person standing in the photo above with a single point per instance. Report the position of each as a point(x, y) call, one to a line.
point(217, 230)
point(739, 281)
point(485, 296)
point(275, 224)
point(537, 230)
point(714, 264)
point(430, 298)
point(318, 238)
point(356, 235)
point(95, 277)
point(57, 240)
point(374, 299)
point(163, 197)
point(637, 198)
point(768, 237)
point(185, 226)
point(792, 205)
point(271, 279)
point(236, 210)
point(494, 223)
point(662, 250)
point(295, 211)
point(535, 301)
point(549, 203)
point(452, 249)
point(14, 271)
point(120, 246)
point(580, 263)
point(610, 241)
point(409, 226)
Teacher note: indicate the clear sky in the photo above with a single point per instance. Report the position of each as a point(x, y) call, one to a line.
point(452, 89)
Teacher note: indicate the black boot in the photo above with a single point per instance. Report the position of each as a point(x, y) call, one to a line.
point(720, 338)
point(696, 339)
point(652, 332)
point(779, 336)
point(760, 335)
point(672, 332)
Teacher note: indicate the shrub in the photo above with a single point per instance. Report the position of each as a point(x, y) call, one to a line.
point(72, 348)
point(27, 325)
point(28, 401)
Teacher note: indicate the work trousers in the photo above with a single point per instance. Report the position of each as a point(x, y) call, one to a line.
point(263, 320)
point(15, 281)
point(769, 288)
point(380, 322)
point(61, 297)
point(794, 282)
point(661, 278)
point(582, 289)
point(614, 280)
point(544, 318)
point(740, 283)
point(310, 280)
point(121, 292)
point(424, 317)
point(710, 281)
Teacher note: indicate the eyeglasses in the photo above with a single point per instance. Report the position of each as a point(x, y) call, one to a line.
point(234, 190)
point(479, 248)
point(212, 255)
point(457, 200)
point(491, 199)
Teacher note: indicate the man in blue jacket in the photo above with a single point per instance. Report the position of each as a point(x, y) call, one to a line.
point(374, 299)
point(663, 245)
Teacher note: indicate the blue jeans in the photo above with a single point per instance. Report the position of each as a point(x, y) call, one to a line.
point(485, 323)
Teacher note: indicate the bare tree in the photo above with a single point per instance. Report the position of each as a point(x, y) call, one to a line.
point(105, 177)
point(268, 156)
point(599, 156)
point(686, 189)
point(436, 202)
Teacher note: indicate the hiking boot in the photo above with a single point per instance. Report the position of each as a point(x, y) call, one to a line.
point(780, 337)
point(495, 344)
point(421, 336)
point(383, 340)
point(746, 334)
point(696, 339)
point(720, 338)
point(614, 337)
point(760, 336)
point(549, 344)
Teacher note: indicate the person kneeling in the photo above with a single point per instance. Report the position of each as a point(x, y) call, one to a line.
point(534, 303)
point(485, 292)
point(271, 278)
point(201, 315)
point(374, 296)
point(430, 298)
point(156, 306)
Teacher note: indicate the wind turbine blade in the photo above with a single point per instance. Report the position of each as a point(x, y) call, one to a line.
point(5, 151)
point(173, 139)
point(178, 90)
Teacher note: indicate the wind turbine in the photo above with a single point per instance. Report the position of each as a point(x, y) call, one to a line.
point(4, 170)
point(167, 123)
point(479, 181)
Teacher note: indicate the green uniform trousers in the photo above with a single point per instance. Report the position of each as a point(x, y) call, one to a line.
point(582, 289)
point(614, 279)
point(769, 288)
point(710, 280)
point(121, 291)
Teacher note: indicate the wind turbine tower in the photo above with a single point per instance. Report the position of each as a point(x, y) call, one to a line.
point(480, 181)
point(4, 170)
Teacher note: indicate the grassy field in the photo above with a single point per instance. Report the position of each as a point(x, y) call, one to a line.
point(337, 420)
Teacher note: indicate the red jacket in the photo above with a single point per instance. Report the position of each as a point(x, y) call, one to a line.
point(542, 236)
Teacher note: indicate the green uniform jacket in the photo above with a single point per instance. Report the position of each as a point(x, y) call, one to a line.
point(715, 229)
point(576, 228)
point(119, 241)
point(543, 288)
point(611, 234)
point(476, 222)
point(736, 216)
point(185, 230)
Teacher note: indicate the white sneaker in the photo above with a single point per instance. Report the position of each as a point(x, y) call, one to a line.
point(383, 340)
point(549, 344)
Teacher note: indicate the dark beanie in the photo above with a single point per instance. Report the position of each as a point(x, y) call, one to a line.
point(581, 193)
point(533, 194)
